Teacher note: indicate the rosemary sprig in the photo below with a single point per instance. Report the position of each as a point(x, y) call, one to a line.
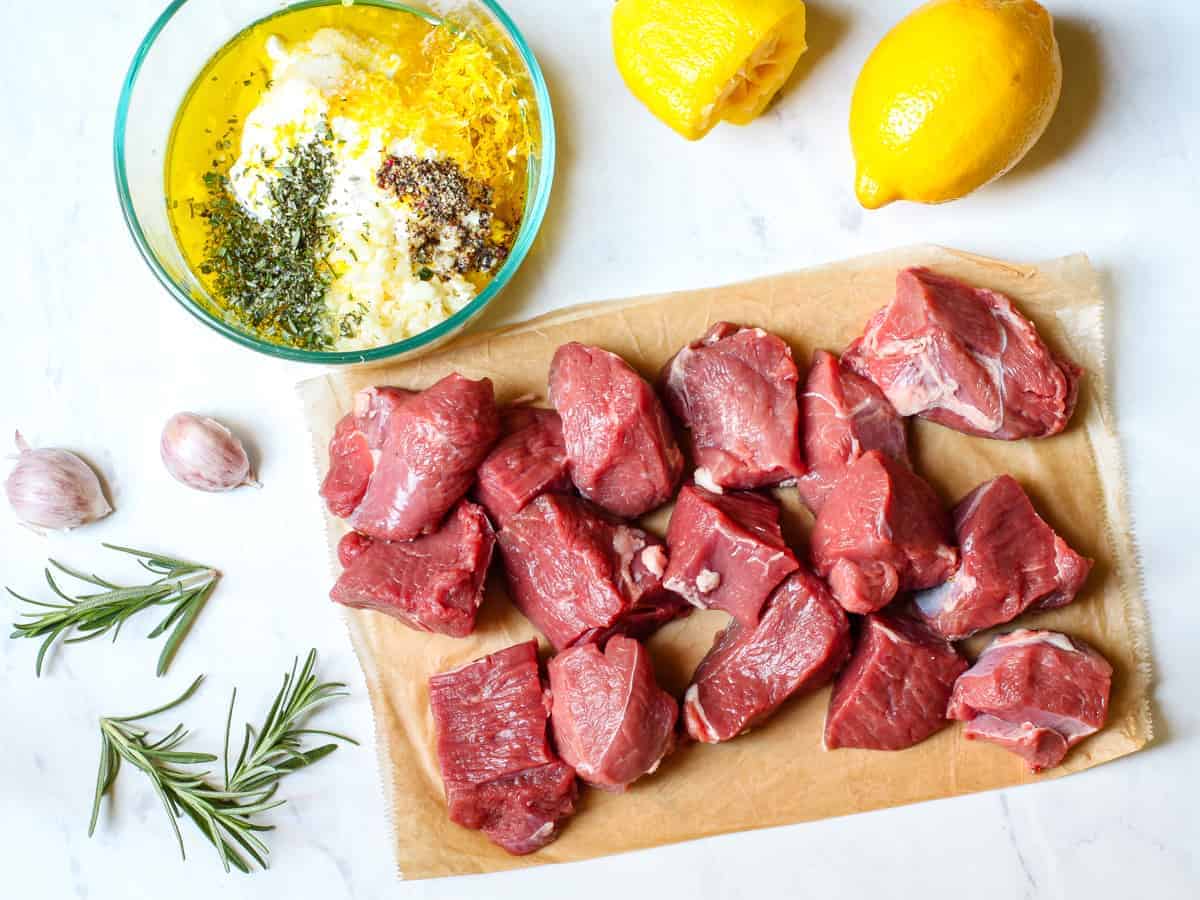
point(272, 275)
point(182, 790)
point(226, 816)
point(181, 585)
point(277, 747)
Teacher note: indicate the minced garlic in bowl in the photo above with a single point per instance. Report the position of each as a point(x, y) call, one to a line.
point(345, 177)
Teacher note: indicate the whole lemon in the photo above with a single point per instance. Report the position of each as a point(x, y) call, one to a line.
point(952, 98)
point(696, 62)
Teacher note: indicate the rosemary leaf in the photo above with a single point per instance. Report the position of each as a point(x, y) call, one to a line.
point(182, 586)
point(224, 814)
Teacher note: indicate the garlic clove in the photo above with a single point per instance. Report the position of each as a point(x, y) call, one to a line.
point(203, 454)
point(54, 489)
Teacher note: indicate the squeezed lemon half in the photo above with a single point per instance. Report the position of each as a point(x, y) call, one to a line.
point(694, 63)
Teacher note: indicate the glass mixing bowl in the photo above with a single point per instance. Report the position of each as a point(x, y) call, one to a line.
point(170, 57)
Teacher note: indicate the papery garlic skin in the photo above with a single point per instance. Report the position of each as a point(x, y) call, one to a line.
point(203, 454)
point(54, 489)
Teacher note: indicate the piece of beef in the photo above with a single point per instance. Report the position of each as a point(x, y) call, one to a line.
point(893, 692)
point(843, 415)
point(429, 448)
point(530, 459)
point(881, 531)
point(965, 358)
point(735, 390)
point(499, 772)
point(579, 575)
point(801, 640)
point(1036, 693)
point(351, 547)
point(726, 551)
point(1011, 561)
point(612, 722)
point(354, 448)
point(432, 583)
point(522, 812)
point(621, 452)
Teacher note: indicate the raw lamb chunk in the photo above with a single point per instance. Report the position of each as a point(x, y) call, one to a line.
point(801, 640)
point(881, 531)
point(1036, 693)
point(354, 448)
point(530, 460)
point(612, 722)
point(735, 390)
point(429, 449)
point(1011, 561)
point(500, 774)
point(843, 415)
point(965, 358)
point(893, 692)
point(351, 547)
point(432, 583)
point(726, 551)
point(622, 454)
point(580, 576)
point(522, 812)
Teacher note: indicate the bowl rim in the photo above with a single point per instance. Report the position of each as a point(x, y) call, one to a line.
point(530, 224)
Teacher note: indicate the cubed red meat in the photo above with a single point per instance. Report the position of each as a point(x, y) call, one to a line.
point(530, 459)
point(801, 640)
point(1011, 561)
point(522, 812)
point(726, 551)
point(432, 583)
point(893, 692)
point(621, 451)
point(500, 774)
point(735, 391)
point(579, 575)
point(612, 722)
point(1036, 693)
point(966, 358)
point(843, 415)
point(429, 448)
point(354, 448)
point(882, 530)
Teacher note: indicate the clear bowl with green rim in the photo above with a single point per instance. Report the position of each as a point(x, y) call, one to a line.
point(179, 45)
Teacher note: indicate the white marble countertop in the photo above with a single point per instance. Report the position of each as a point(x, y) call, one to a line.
point(97, 356)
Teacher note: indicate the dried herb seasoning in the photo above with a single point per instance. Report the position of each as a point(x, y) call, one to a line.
point(273, 274)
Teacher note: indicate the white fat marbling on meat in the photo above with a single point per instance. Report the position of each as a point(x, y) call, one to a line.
point(687, 591)
point(694, 711)
point(924, 387)
point(654, 558)
point(627, 542)
point(704, 478)
point(707, 581)
point(1023, 636)
point(675, 380)
point(887, 632)
point(945, 596)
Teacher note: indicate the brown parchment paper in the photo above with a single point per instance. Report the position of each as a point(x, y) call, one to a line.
point(778, 774)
